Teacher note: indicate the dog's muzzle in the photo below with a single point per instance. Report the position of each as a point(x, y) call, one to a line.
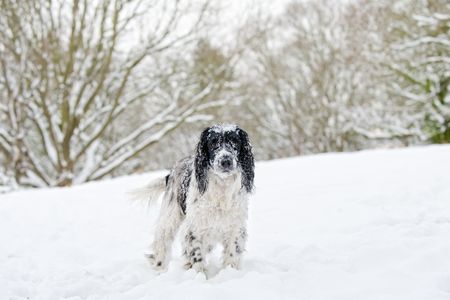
point(225, 162)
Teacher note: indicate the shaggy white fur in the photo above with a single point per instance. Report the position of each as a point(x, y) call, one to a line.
point(217, 216)
point(206, 199)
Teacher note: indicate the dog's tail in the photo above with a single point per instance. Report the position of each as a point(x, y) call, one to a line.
point(150, 193)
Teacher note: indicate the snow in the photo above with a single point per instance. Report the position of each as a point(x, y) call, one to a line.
point(223, 127)
point(365, 225)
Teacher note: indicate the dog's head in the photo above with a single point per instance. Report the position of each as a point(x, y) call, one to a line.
point(225, 150)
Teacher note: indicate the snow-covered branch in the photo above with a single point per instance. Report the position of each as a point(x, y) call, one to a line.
point(69, 76)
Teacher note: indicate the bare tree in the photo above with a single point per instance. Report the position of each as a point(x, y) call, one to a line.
point(207, 64)
point(313, 89)
point(417, 60)
point(71, 76)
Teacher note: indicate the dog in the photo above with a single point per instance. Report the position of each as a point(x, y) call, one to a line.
point(205, 198)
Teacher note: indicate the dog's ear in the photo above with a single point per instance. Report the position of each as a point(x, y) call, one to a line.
point(201, 162)
point(246, 161)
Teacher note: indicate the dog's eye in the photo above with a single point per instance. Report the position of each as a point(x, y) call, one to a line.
point(235, 141)
point(213, 142)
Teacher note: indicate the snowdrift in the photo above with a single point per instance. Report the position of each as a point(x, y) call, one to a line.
point(365, 225)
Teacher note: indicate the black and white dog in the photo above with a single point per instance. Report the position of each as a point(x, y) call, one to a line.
point(206, 197)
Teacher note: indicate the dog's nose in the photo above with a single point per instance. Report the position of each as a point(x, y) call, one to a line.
point(226, 162)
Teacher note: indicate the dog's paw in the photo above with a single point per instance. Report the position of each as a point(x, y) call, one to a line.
point(198, 267)
point(234, 263)
point(157, 264)
point(187, 265)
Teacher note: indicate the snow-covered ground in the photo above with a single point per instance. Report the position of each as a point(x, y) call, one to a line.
point(367, 225)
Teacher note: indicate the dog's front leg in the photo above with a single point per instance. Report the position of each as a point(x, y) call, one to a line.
point(233, 247)
point(194, 251)
point(168, 222)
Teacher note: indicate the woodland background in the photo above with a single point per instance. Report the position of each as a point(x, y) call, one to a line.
point(96, 89)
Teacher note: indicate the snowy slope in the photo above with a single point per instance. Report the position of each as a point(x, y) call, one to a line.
point(367, 225)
